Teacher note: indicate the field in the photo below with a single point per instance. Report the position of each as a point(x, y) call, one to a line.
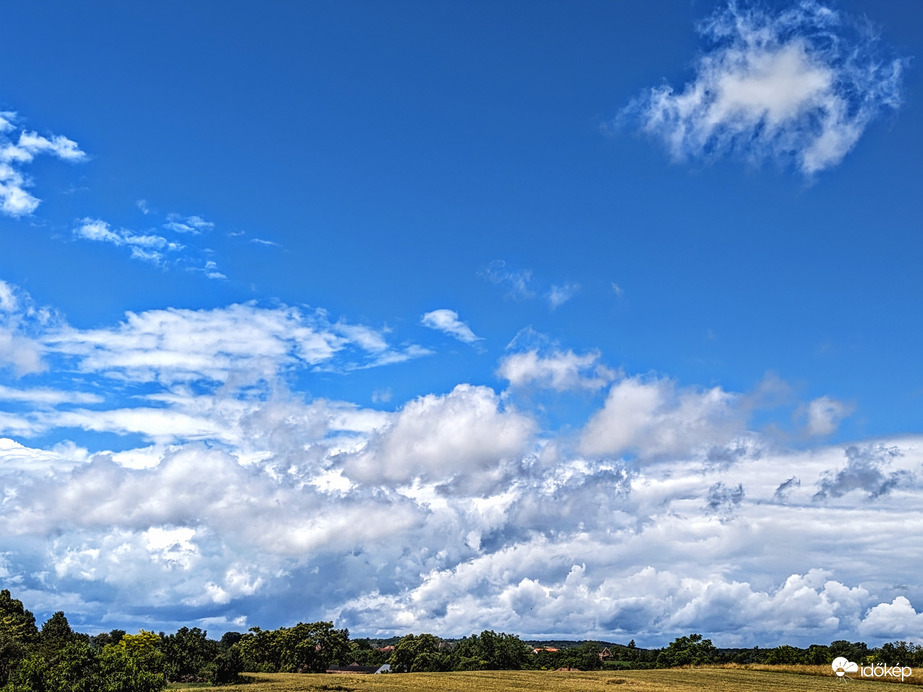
point(718, 678)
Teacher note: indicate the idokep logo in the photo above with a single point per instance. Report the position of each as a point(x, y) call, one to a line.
point(842, 665)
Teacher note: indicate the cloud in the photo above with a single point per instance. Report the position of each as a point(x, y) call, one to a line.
point(439, 438)
point(47, 397)
point(559, 370)
point(798, 86)
point(823, 415)
point(447, 321)
point(893, 619)
point(15, 200)
point(653, 419)
point(515, 281)
point(558, 295)
point(245, 343)
point(20, 322)
point(187, 224)
point(864, 471)
point(145, 247)
point(204, 480)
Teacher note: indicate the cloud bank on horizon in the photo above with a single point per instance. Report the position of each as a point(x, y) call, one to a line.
point(214, 465)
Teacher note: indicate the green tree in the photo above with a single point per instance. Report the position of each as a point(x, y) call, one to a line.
point(491, 651)
point(306, 648)
point(186, 654)
point(226, 667)
point(785, 655)
point(72, 668)
point(128, 669)
point(18, 634)
point(688, 651)
point(409, 648)
point(56, 634)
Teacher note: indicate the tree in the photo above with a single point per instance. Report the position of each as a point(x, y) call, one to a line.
point(186, 654)
point(56, 634)
point(17, 634)
point(491, 651)
point(128, 669)
point(688, 651)
point(72, 668)
point(785, 655)
point(409, 648)
point(304, 648)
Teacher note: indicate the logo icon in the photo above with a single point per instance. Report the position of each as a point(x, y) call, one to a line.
point(841, 666)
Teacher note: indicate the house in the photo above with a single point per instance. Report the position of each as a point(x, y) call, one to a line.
point(605, 654)
point(549, 649)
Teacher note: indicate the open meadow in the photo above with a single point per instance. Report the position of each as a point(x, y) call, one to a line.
point(717, 678)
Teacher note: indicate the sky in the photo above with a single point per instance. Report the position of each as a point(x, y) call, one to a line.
point(575, 320)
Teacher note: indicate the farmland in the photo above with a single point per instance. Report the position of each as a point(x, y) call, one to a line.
point(716, 678)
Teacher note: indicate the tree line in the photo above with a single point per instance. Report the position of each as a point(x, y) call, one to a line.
point(55, 658)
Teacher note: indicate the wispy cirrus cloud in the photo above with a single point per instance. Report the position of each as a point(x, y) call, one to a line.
point(798, 86)
point(515, 281)
point(18, 152)
point(245, 342)
point(560, 294)
point(447, 321)
point(143, 246)
point(519, 284)
point(188, 224)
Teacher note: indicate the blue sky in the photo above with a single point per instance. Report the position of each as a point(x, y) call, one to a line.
point(577, 319)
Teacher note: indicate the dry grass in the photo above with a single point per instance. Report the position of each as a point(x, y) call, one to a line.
point(730, 678)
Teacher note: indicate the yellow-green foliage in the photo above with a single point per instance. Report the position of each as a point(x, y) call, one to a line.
point(714, 678)
point(142, 643)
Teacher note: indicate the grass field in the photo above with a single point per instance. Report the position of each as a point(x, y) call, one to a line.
point(719, 679)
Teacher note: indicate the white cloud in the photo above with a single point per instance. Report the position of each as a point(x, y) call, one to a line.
point(243, 342)
point(560, 370)
point(823, 415)
point(15, 200)
point(558, 295)
point(438, 438)
point(447, 321)
point(515, 281)
point(145, 247)
point(20, 321)
point(231, 496)
point(653, 419)
point(187, 224)
point(43, 397)
point(799, 86)
point(895, 620)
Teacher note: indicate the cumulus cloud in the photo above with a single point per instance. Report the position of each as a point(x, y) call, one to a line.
point(865, 471)
point(823, 415)
point(798, 86)
point(231, 496)
point(891, 620)
point(438, 438)
point(15, 199)
point(558, 369)
point(654, 419)
point(447, 321)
